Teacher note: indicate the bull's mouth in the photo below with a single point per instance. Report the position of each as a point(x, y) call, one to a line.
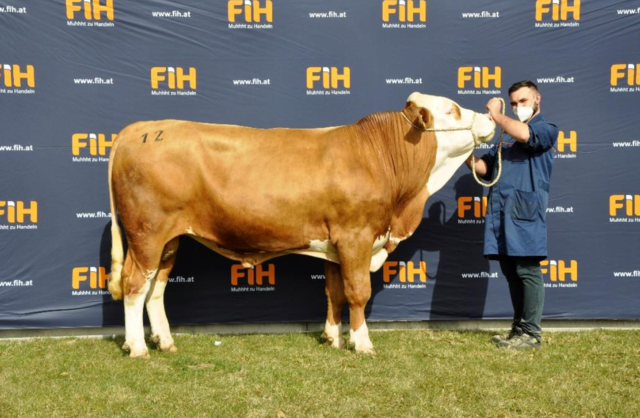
point(487, 138)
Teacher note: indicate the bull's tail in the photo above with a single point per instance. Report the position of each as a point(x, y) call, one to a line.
point(117, 251)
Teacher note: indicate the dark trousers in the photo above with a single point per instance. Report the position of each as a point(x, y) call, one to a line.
point(526, 287)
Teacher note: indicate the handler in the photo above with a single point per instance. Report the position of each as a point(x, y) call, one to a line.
point(515, 225)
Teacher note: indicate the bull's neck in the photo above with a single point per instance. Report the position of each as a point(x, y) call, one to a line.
point(404, 154)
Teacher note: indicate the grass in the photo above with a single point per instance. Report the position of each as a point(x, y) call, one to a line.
point(413, 374)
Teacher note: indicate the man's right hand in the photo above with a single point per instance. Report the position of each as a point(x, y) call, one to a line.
point(480, 167)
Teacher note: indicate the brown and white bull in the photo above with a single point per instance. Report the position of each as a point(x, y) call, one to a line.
point(346, 194)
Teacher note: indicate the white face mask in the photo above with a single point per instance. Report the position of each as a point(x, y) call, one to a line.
point(523, 113)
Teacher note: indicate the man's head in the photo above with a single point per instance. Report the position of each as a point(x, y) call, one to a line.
point(525, 100)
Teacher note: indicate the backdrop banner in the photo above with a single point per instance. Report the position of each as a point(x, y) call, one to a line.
point(73, 73)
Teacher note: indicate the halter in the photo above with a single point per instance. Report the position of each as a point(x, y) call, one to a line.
point(468, 128)
point(475, 141)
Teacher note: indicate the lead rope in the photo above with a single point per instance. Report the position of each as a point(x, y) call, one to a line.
point(473, 157)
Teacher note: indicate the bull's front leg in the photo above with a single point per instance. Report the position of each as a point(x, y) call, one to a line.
point(355, 261)
point(334, 288)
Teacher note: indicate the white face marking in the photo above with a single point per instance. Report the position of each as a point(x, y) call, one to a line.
point(190, 231)
point(441, 174)
point(453, 147)
point(360, 338)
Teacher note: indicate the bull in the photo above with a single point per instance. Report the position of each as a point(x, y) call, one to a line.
point(347, 194)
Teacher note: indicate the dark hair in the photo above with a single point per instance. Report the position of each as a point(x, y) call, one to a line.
point(521, 84)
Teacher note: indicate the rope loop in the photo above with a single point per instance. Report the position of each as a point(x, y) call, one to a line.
point(473, 157)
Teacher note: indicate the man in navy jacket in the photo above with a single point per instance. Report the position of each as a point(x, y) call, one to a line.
point(515, 223)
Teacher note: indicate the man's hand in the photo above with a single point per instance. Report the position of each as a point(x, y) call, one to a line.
point(480, 167)
point(494, 106)
point(516, 129)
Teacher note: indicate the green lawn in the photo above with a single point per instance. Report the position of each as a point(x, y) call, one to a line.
point(413, 374)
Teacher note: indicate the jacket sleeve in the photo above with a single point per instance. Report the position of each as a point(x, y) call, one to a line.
point(489, 159)
point(542, 136)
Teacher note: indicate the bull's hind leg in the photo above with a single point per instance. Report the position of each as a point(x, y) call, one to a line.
point(355, 260)
point(160, 331)
point(336, 300)
point(137, 276)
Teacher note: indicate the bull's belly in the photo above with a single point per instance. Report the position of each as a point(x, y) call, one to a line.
point(317, 248)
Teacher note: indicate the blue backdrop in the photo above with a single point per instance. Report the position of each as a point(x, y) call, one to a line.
point(73, 73)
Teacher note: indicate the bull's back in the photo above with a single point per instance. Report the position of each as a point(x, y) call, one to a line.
point(234, 181)
point(227, 158)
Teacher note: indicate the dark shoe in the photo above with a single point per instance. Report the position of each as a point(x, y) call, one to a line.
point(521, 342)
point(506, 337)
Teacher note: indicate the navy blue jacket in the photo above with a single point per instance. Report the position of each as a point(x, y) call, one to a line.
point(515, 223)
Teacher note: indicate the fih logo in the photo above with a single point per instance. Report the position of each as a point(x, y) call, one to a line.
point(405, 10)
point(174, 77)
point(406, 271)
point(95, 277)
point(559, 270)
point(630, 204)
point(13, 75)
point(559, 9)
point(625, 71)
point(482, 77)
point(250, 10)
point(330, 77)
point(570, 141)
point(472, 206)
point(254, 276)
point(16, 212)
point(96, 143)
point(93, 9)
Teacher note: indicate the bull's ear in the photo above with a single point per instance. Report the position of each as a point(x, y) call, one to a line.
point(420, 116)
point(426, 118)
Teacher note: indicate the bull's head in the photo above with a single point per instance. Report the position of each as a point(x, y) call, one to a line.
point(455, 129)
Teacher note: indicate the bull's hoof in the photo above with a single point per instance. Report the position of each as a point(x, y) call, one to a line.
point(333, 342)
point(142, 354)
point(366, 351)
point(167, 346)
point(168, 349)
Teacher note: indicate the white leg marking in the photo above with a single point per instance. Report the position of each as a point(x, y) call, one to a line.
point(360, 338)
point(325, 247)
point(396, 240)
point(150, 275)
point(333, 334)
point(133, 308)
point(160, 331)
point(378, 259)
point(380, 242)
